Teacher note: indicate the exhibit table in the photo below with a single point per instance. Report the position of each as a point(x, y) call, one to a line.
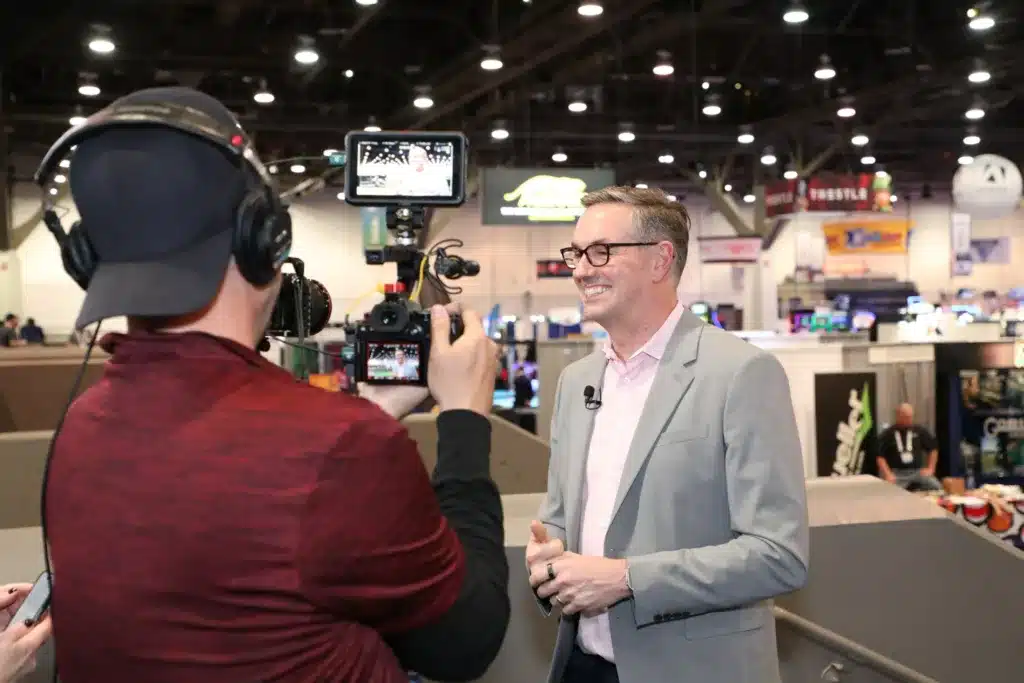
point(1000, 514)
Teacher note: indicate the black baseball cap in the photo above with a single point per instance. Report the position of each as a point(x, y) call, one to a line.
point(159, 207)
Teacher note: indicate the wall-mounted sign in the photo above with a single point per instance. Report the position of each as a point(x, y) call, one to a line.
point(867, 237)
point(729, 249)
point(990, 250)
point(530, 196)
point(845, 406)
point(549, 268)
point(829, 193)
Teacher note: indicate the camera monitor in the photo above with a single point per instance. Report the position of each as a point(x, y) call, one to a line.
point(393, 362)
point(387, 168)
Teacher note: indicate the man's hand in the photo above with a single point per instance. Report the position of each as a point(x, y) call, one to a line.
point(927, 472)
point(890, 477)
point(19, 642)
point(582, 584)
point(541, 548)
point(461, 374)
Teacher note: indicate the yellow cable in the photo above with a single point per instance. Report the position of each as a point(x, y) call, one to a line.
point(379, 289)
point(419, 280)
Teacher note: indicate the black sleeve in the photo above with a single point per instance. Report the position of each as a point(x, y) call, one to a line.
point(927, 440)
point(881, 443)
point(464, 642)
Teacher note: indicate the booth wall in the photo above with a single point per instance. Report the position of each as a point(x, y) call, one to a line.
point(328, 236)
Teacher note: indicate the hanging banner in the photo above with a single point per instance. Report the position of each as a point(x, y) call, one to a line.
point(829, 193)
point(845, 406)
point(729, 249)
point(375, 228)
point(993, 250)
point(553, 268)
point(867, 237)
point(962, 263)
point(528, 196)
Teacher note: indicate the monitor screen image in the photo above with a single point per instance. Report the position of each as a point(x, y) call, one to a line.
point(405, 168)
point(396, 362)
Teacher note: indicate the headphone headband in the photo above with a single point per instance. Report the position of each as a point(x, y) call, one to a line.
point(163, 114)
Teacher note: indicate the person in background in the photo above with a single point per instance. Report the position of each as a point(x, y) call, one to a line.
point(9, 332)
point(19, 642)
point(32, 333)
point(908, 454)
point(676, 506)
point(523, 388)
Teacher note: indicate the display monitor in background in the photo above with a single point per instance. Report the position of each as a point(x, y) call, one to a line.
point(863, 321)
point(840, 321)
point(800, 320)
point(391, 362)
point(426, 169)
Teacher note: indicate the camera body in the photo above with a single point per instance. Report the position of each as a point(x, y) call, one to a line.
point(392, 344)
point(405, 173)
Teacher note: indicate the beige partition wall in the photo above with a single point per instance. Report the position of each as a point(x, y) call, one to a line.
point(35, 384)
point(552, 357)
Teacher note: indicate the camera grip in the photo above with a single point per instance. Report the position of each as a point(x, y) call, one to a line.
point(456, 327)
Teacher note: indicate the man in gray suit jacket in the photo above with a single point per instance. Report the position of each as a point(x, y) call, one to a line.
point(676, 507)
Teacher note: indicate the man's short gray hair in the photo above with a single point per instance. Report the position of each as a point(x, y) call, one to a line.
point(656, 217)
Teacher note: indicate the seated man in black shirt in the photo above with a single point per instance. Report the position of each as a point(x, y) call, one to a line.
point(908, 454)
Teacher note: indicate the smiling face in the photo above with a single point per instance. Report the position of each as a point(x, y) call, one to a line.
point(609, 292)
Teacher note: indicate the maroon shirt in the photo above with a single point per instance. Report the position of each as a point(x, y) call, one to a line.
point(212, 519)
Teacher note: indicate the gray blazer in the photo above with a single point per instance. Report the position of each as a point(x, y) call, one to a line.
point(711, 511)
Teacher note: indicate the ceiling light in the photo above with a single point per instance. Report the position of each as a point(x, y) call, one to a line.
point(893, 198)
point(500, 131)
point(671, 197)
point(590, 8)
point(745, 137)
point(626, 136)
point(882, 173)
point(366, 3)
point(728, 187)
point(341, 196)
point(102, 46)
point(53, 190)
point(796, 14)
point(712, 106)
point(263, 96)
point(664, 66)
point(965, 160)
point(577, 106)
point(768, 158)
point(971, 139)
point(825, 71)
point(307, 55)
point(88, 90)
point(974, 113)
point(423, 102)
point(60, 178)
point(702, 174)
point(641, 186)
point(705, 86)
point(981, 23)
point(297, 169)
point(749, 198)
point(846, 111)
point(330, 151)
point(666, 158)
point(491, 63)
point(979, 76)
point(868, 160)
point(559, 157)
point(76, 121)
point(790, 174)
point(65, 163)
point(859, 140)
point(349, 73)
point(272, 169)
point(371, 128)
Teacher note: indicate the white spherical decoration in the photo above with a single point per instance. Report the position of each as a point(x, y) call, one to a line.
point(989, 187)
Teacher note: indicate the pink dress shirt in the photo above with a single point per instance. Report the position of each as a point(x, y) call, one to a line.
point(623, 395)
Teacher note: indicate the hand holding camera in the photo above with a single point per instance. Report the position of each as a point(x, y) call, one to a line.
point(461, 375)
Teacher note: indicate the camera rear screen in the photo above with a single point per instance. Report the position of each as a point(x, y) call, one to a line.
point(391, 362)
point(405, 168)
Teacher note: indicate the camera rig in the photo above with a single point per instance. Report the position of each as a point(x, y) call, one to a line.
point(411, 263)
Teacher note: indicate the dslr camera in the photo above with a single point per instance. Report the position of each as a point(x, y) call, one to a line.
point(407, 174)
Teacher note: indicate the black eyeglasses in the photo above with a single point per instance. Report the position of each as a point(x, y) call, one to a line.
point(597, 253)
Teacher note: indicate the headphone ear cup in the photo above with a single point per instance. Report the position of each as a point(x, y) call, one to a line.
point(78, 256)
point(251, 222)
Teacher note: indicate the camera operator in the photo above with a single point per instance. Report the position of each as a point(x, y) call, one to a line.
point(212, 519)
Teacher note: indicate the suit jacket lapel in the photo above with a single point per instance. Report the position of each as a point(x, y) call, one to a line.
point(581, 428)
point(674, 376)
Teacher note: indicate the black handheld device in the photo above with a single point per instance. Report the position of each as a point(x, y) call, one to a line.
point(36, 603)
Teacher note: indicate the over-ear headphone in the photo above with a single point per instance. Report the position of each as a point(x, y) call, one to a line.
point(263, 227)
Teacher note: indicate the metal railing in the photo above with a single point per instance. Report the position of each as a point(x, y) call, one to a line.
point(850, 649)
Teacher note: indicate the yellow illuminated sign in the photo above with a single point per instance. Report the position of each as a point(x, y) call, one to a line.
point(547, 198)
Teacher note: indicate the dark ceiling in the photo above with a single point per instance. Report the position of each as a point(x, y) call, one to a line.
point(904, 64)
